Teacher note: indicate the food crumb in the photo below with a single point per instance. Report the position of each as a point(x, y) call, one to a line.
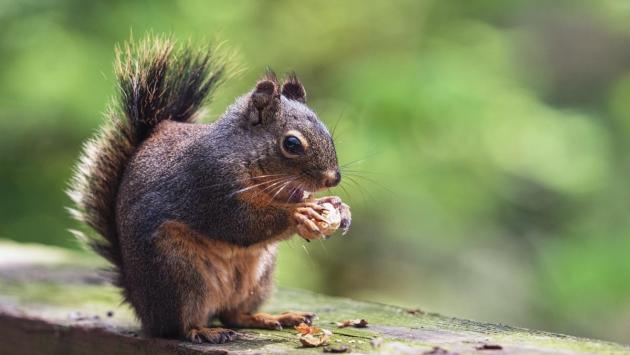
point(438, 351)
point(336, 350)
point(357, 323)
point(376, 342)
point(489, 347)
point(311, 337)
point(415, 311)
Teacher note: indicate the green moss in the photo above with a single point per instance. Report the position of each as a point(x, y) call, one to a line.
point(16, 253)
point(63, 295)
point(54, 292)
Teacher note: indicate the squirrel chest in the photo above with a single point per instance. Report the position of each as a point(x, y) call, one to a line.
point(231, 273)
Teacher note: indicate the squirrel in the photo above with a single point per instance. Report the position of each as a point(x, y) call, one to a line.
point(189, 215)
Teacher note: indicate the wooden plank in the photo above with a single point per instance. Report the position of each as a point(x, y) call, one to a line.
point(53, 301)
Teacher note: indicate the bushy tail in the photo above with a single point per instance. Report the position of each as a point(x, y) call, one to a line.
point(157, 82)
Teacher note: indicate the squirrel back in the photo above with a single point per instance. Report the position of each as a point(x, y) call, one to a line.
point(157, 82)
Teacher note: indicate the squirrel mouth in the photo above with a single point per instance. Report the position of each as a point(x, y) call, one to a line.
point(294, 195)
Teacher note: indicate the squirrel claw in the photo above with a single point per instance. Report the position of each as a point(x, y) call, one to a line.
point(212, 335)
point(333, 200)
point(291, 319)
point(306, 228)
point(307, 231)
point(309, 212)
point(195, 338)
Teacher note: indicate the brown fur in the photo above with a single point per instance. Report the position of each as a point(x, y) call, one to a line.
point(182, 218)
point(231, 274)
point(238, 278)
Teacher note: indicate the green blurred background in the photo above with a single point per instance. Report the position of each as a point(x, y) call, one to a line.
point(487, 139)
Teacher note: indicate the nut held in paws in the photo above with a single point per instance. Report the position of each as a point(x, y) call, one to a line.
point(332, 219)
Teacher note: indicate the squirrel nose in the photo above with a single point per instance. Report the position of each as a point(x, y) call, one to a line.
point(332, 178)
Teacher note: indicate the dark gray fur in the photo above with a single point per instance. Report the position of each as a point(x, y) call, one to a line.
point(163, 167)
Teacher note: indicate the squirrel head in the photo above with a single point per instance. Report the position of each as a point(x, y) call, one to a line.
point(286, 141)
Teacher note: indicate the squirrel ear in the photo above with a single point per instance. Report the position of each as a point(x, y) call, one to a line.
point(292, 89)
point(265, 99)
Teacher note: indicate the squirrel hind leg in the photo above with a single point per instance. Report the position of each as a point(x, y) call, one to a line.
point(267, 321)
point(168, 289)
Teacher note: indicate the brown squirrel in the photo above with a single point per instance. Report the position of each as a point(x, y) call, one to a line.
point(189, 215)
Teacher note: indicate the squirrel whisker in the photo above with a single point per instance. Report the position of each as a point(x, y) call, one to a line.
point(254, 186)
point(337, 123)
point(247, 179)
point(359, 160)
point(275, 187)
point(373, 181)
point(346, 192)
point(352, 163)
point(280, 189)
point(300, 187)
point(362, 189)
point(363, 172)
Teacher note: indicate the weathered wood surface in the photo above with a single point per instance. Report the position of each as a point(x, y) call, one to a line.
point(52, 301)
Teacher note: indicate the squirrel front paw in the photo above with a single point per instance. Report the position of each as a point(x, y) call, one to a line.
point(345, 216)
point(321, 217)
point(306, 218)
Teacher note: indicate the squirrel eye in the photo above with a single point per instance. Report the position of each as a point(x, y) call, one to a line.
point(292, 145)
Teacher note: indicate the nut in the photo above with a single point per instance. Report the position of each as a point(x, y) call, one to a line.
point(332, 219)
